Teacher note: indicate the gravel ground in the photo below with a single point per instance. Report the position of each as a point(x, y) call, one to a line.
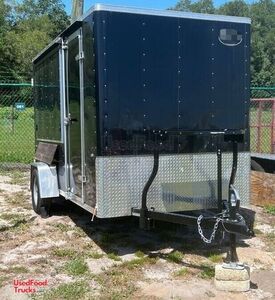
point(113, 259)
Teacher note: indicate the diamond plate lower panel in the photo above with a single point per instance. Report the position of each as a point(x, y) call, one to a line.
point(183, 182)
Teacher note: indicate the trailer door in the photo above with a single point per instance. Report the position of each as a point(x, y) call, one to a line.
point(74, 90)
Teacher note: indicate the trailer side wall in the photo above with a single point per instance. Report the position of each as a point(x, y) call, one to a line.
point(47, 98)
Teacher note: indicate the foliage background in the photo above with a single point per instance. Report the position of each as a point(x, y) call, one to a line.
point(262, 14)
point(27, 26)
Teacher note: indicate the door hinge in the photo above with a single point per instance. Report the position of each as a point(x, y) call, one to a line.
point(65, 45)
point(80, 56)
point(66, 121)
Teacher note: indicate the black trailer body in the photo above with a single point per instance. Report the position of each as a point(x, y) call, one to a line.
point(122, 84)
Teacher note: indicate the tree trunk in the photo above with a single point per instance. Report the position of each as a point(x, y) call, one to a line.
point(77, 9)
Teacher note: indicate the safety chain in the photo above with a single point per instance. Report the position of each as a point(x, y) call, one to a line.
point(208, 241)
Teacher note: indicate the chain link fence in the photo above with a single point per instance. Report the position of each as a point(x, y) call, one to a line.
point(16, 125)
point(262, 120)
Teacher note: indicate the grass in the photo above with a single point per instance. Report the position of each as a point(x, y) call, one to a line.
point(3, 279)
point(19, 199)
point(257, 231)
point(18, 223)
point(215, 258)
point(175, 256)
point(270, 241)
point(76, 267)
point(63, 227)
point(119, 282)
point(18, 178)
point(17, 141)
point(17, 138)
point(10, 216)
point(183, 272)
point(207, 272)
point(64, 252)
point(114, 256)
point(66, 291)
point(265, 145)
point(270, 209)
point(137, 262)
point(139, 254)
point(95, 255)
point(79, 232)
point(21, 226)
point(18, 270)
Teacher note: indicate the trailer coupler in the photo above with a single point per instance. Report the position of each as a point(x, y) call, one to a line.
point(231, 226)
point(228, 210)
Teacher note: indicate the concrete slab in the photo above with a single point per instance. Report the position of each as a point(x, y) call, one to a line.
point(225, 274)
point(232, 285)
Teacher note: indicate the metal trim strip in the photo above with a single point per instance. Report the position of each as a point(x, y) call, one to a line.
point(166, 13)
point(57, 41)
point(76, 200)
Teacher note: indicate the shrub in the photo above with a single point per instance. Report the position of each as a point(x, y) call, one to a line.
point(8, 113)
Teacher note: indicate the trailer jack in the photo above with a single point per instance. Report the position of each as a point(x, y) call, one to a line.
point(227, 218)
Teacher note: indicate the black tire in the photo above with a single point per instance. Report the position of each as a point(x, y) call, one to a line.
point(256, 166)
point(40, 206)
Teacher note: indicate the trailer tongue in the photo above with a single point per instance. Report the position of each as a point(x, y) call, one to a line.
point(226, 218)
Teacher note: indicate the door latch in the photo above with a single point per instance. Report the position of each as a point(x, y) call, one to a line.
point(80, 56)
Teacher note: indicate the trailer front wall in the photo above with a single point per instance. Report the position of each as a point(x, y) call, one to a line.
point(161, 76)
point(162, 84)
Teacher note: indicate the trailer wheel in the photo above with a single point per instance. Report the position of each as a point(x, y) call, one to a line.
point(256, 166)
point(39, 205)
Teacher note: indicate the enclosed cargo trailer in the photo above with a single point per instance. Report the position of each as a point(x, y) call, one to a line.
point(137, 112)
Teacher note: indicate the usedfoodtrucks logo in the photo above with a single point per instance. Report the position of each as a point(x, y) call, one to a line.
point(230, 37)
point(29, 286)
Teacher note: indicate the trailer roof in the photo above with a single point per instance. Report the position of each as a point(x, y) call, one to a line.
point(142, 11)
point(166, 13)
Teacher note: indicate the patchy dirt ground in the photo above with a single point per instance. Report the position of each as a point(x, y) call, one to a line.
point(113, 259)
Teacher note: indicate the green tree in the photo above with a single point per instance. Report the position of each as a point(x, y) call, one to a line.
point(183, 5)
point(262, 14)
point(201, 6)
point(4, 27)
point(235, 8)
point(26, 40)
point(32, 25)
point(263, 42)
point(54, 9)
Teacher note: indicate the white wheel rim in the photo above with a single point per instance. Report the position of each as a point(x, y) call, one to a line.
point(35, 192)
